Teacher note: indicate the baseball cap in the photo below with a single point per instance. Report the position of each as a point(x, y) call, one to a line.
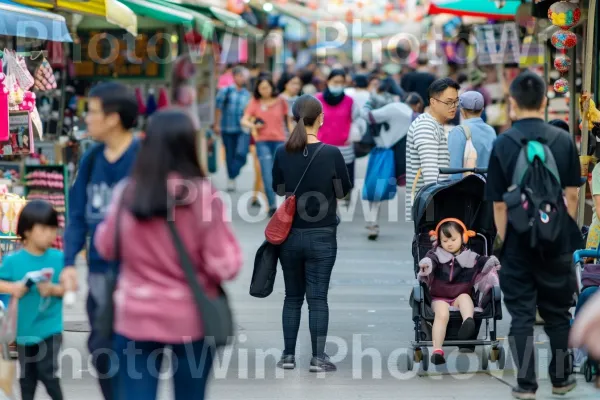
point(472, 101)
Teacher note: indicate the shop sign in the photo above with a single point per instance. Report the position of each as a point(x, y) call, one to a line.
point(119, 55)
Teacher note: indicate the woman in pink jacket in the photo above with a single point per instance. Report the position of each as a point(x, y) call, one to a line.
point(154, 305)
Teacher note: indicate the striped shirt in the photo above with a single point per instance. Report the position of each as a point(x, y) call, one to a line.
point(426, 149)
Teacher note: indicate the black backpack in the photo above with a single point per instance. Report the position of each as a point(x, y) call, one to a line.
point(535, 200)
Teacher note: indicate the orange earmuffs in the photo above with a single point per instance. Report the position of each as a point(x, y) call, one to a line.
point(466, 233)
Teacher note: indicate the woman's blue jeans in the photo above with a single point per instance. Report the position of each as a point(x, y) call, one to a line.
point(266, 154)
point(140, 365)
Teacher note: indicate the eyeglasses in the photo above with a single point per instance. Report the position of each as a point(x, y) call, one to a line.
point(450, 104)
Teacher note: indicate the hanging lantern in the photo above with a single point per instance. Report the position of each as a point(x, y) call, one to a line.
point(313, 5)
point(376, 20)
point(562, 64)
point(564, 14)
point(564, 39)
point(389, 7)
point(360, 5)
point(561, 86)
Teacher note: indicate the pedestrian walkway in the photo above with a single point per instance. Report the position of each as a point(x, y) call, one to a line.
point(370, 319)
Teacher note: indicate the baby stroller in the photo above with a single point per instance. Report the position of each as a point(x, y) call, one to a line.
point(588, 275)
point(462, 199)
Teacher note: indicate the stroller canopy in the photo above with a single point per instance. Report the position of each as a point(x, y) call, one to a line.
point(462, 199)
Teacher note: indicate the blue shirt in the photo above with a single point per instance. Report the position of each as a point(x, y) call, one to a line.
point(89, 199)
point(232, 102)
point(483, 137)
point(39, 318)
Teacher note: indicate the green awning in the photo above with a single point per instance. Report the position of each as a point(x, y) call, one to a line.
point(225, 20)
point(172, 14)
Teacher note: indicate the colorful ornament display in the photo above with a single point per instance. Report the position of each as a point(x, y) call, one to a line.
point(564, 14)
point(563, 39)
point(562, 63)
point(561, 86)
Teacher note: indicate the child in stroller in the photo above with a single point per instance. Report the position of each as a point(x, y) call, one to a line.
point(453, 273)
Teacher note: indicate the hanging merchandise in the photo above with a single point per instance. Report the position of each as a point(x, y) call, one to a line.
point(44, 77)
point(163, 99)
point(140, 101)
point(564, 14)
point(151, 105)
point(561, 86)
point(562, 63)
point(4, 127)
point(56, 55)
point(564, 40)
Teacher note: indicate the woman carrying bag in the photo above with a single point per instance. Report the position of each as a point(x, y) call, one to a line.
point(177, 250)
point(316, 174)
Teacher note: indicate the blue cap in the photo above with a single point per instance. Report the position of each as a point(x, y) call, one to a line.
point(472, 101)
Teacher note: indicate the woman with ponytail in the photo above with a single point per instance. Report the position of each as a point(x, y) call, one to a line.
point(308, 255)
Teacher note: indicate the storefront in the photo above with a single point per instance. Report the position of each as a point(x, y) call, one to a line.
point(27, 75)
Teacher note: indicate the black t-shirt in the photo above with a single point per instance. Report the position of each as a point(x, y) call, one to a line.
point(418, 81)
point(325, 181)
point(506, 152)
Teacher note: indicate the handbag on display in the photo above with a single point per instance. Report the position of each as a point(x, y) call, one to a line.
point(215, 313)
point(279, 226)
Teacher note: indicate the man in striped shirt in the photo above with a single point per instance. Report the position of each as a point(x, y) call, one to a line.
point(426, 142)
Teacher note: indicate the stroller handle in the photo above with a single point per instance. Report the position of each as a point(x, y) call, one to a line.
point(579, 255)
point(451, 171)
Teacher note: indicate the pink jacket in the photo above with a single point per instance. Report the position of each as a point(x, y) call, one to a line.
point(337, 122)
point(153, 300)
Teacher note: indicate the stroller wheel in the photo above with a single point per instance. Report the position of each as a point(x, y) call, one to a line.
point(501, 358)
point(406, 362)
point(587, 370)
point(425, 360)
point(485, 357)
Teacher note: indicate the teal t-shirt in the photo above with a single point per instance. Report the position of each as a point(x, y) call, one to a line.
point(39, 318)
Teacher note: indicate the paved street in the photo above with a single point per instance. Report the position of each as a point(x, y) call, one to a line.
point(370, 325)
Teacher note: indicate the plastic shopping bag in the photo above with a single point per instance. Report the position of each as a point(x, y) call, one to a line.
point(380, 182)
point(8, 323)
point(8, 374)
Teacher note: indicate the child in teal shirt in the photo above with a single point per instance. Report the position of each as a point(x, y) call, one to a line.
point(31, 277)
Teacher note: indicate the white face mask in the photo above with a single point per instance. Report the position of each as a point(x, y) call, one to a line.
point(335, 90)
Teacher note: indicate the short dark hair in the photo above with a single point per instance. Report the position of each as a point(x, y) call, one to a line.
point(238, 70)
point(528, 90)
point(36, 212)
point(261, 79)
point(447, 228)
point(117, 98)
point(413, 99)
point(439, 86)
point(169, 147)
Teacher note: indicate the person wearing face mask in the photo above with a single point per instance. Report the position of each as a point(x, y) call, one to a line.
point(340, 111)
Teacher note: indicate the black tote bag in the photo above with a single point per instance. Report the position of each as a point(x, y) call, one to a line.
point(216, 315)
point(265, 270)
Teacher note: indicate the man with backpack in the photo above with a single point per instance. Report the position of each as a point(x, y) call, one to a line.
point(112, 113)
point(470, 144)
point(533, 180)
point(231, 102)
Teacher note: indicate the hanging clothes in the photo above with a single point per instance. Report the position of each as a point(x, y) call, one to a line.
point(140, 101)
point(151, 105)
point(163, 98)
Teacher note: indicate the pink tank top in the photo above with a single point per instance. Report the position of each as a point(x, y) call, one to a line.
point(337, 123)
